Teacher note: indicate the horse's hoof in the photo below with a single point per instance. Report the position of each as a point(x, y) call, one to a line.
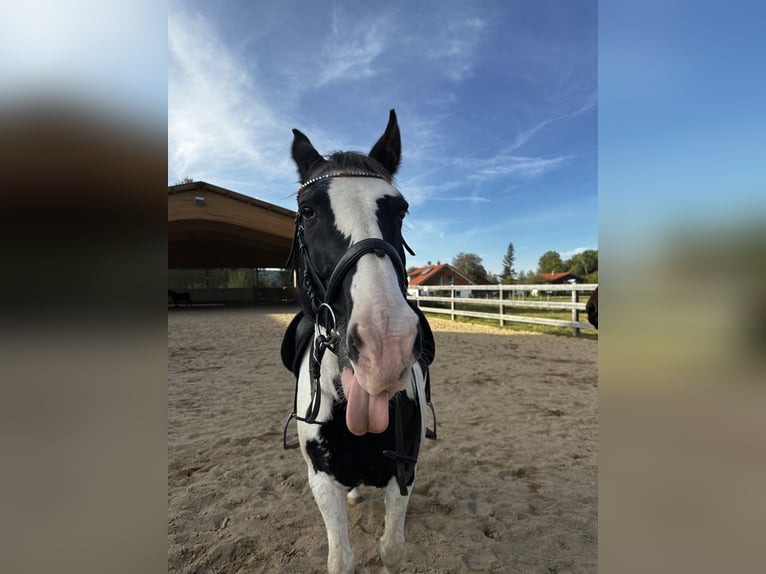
point(354, 497)
point(392, 557)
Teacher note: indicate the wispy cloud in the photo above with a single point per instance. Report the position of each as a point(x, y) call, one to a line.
point(455, 45)
point(519, 165)
point(466, 198)
point(523, 137)
point(216, 121)
point(351, 51)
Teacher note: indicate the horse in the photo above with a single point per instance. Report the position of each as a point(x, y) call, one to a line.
point(592, 308)
point(177, 296)
point(360, 409)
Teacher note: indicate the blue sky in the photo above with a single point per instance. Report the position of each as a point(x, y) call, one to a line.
point(497, 104)
point(682, 128)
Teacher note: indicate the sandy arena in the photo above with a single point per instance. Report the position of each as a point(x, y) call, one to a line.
point(509, 486)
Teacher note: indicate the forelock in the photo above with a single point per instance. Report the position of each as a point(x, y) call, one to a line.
point(354, 161)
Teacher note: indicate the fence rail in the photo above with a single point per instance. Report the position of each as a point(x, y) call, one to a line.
point(463, 301)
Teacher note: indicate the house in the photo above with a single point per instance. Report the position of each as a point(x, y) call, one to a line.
point(434, 275)
point(559, 278)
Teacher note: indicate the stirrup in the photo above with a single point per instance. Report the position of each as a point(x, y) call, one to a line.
point(284, 434)
point(431, 433)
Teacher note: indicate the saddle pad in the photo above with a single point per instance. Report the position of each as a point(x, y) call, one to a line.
point(297, 338)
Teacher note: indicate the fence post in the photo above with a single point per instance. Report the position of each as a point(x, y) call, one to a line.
point(500, 295)
point(575, 311)
point(452, 304)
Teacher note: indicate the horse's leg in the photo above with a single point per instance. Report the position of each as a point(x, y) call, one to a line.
point(392, 545)
point(331, 500)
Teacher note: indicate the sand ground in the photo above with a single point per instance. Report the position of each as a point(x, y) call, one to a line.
point(509, 486)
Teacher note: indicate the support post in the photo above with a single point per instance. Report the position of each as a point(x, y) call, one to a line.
point(452, 303)
point(500, 295)
point(575, 311)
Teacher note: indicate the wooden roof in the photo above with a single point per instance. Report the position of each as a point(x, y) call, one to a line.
point(211, 227)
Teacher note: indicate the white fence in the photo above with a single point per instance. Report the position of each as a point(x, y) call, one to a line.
point(500, 300)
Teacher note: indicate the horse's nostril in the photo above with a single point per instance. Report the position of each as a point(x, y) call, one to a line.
point(355, 340)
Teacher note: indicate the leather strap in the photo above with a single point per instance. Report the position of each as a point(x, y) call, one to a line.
point(353, 254)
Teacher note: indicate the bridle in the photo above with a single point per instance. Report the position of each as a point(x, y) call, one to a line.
point(320, 293)
point(322, 297)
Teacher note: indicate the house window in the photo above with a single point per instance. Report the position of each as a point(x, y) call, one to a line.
point(450, 279)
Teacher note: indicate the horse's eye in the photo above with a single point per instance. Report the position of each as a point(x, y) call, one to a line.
point(307, 212)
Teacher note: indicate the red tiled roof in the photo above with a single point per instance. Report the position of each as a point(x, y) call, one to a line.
point(552, 276)
point(421, 274)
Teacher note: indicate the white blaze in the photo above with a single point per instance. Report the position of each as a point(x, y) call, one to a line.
point(381, 319)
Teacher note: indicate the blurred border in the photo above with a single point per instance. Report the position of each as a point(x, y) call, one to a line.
point(682, 214)
point(83, 335)
point(83, 149)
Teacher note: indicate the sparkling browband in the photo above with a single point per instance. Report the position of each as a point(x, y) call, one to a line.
point(313, 180)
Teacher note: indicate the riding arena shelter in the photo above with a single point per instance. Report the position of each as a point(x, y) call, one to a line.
point(210, 227)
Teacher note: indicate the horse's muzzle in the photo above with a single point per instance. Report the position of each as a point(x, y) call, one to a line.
point(381, 353)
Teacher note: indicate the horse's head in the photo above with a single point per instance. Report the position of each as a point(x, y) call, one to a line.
point(349, 231)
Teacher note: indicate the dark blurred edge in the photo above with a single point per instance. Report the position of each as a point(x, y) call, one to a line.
point(82, 337)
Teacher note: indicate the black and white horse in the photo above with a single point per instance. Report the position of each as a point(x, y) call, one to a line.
point(361, 407)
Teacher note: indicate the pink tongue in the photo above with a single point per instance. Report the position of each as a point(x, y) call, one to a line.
point(364, 413)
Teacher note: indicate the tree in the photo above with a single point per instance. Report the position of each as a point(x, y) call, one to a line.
point(550, 262)
point(589, 259)
point(469, 264)
point(582, 264)
point(187, 179)
point(509, 272)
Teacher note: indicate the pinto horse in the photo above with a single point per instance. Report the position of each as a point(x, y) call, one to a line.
point(359, 408)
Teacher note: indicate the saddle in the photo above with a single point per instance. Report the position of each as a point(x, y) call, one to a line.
point(301, 329)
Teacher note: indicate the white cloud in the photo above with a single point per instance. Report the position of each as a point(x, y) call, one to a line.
point(516, 165)
point(466, 198)
point(573, 252)
point(455, 44)
point(524, 136)
point(351, 51)
point(216, 122)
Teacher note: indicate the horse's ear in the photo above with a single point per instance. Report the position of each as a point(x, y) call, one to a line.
point(388, 149)
point(304, 155)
